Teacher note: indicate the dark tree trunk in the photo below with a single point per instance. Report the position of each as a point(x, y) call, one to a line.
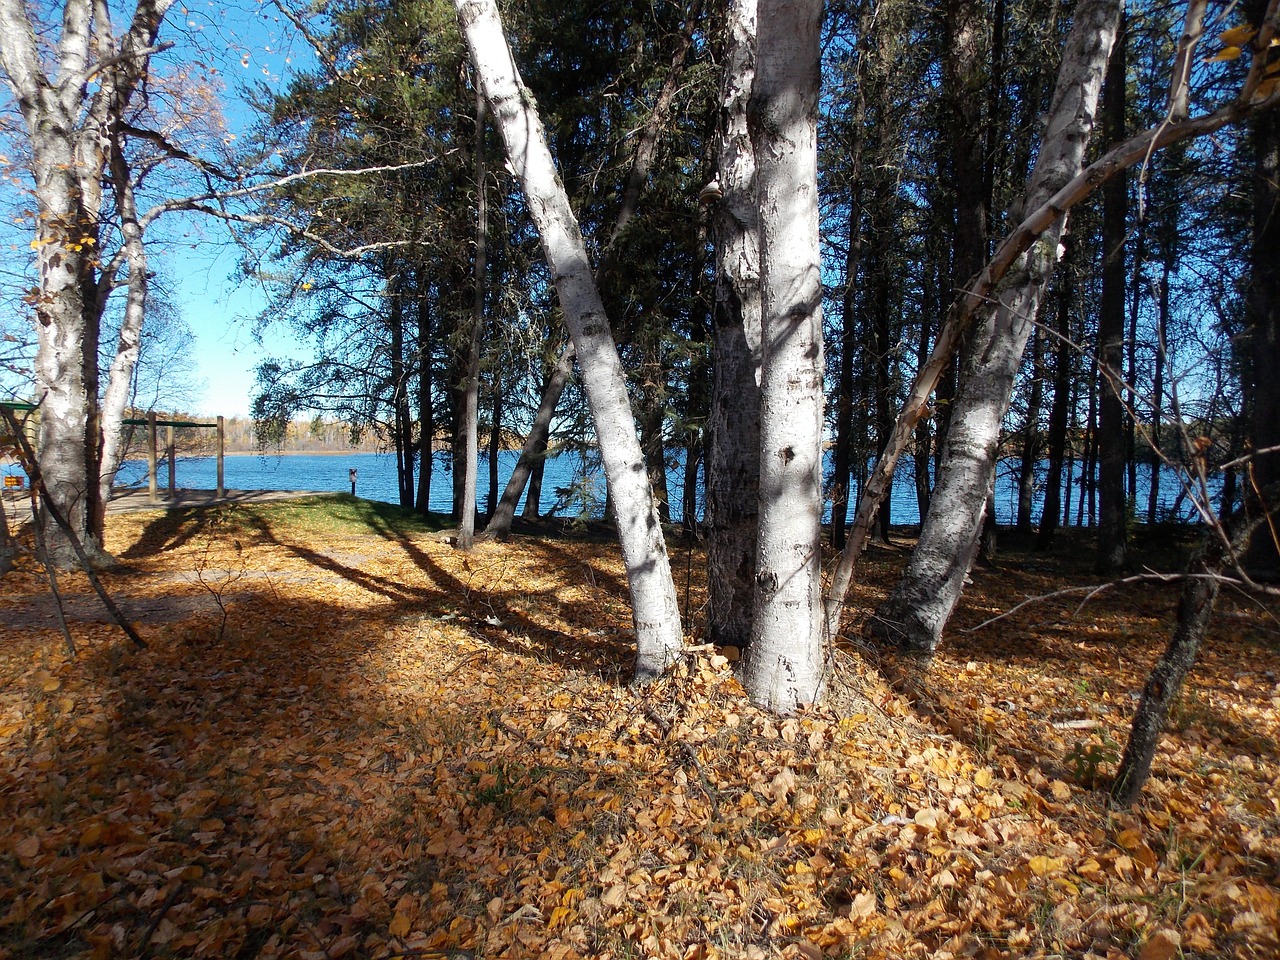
point(1059, 413)
point(533, 494)
point(1031, 437)
point(842, 455)
point(495, 446)
point(1264, 328)
point(1195, 609)
point(733, 458)
point(1112, 537)
point(529, 467)
point(1157, 385)
point(426, 403)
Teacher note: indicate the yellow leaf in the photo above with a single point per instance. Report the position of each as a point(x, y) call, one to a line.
point(1226, 53)
point(1043, 866)
point(400, 925)
point(1237, 36)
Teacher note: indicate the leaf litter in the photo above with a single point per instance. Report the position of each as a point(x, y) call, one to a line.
point(362, 743)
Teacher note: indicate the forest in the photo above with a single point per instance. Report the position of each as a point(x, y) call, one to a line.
point(786, 247)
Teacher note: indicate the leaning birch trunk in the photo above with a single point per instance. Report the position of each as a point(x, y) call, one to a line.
point(115, 399)
point(733, 424)
point(918, 609)
point(784, 667)
point(1011, 255)
point(535, 445)
point(655, 610)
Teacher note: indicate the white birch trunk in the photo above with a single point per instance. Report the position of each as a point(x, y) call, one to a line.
point(917, 611)
point(655, 610)
point(785, 663)
point(733, 426)
point(68, 124)
point(115, 399)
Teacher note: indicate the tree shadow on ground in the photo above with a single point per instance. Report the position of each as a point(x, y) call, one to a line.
point(211, 796)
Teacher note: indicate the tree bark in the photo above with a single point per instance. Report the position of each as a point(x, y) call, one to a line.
point(733, 424)
point(68, 121)
point(471, 386)
point(1263, 312)
point(1195, 610)
point(1112, 536)
point(1031, 438)
point(115, 399)
point(655, 610)
point(784, 667)
point(1059, 413)
point(531, 453)
point(529, 468)
point(1157, 378)
point(426, 401)
point(914, 615)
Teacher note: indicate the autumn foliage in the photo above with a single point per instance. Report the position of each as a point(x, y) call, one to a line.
point(349, 740)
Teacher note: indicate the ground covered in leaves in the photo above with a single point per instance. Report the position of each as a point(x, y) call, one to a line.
point(347, 739)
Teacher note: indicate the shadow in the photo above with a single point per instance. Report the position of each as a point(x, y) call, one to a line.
point(265, 794)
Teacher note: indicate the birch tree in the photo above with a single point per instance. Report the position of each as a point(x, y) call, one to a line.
point(920, 605)
point(784, 666)
point(71, 93)
point(654, 607)
point(733, 461)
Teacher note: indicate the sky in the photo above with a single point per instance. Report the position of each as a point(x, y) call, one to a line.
point(246, 42)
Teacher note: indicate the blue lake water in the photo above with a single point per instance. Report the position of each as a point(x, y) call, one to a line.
point(569, 487)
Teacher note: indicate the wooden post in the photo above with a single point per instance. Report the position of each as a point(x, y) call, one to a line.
point(151, 456)
point(222, 443)
point(173, 461)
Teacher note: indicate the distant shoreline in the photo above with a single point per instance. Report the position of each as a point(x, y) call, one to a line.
point(293, 453)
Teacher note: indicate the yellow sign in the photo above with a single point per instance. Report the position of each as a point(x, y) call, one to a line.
point(13, 482)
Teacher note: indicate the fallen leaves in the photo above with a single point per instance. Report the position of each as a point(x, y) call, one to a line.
point(391, 752)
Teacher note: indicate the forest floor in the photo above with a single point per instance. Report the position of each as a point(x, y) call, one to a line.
point(347, 739)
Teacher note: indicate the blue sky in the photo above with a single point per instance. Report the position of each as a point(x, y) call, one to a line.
point(244, 42)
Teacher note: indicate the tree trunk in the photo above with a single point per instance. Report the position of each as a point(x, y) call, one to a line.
point(916, 612)
point(785, 665)
point(1157, 380)
point(733, 423)
point(8, 547)
point(1059, 413)
point(115, 399)
point(471, 386)
point(529, 466)
point(1112, 537)
point(68, 120)
point(1195, 610)
point(529, 469)
point(1031, 438)
point(1263, 311)
point(655, 610)
point(495, 445)
point(426, 402)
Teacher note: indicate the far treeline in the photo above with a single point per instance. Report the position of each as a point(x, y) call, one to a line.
point(985, 231)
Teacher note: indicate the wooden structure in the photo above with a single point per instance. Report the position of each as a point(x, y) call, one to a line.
point(153, 424)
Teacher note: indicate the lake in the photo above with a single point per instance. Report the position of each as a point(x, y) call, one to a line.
point(563, 489)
